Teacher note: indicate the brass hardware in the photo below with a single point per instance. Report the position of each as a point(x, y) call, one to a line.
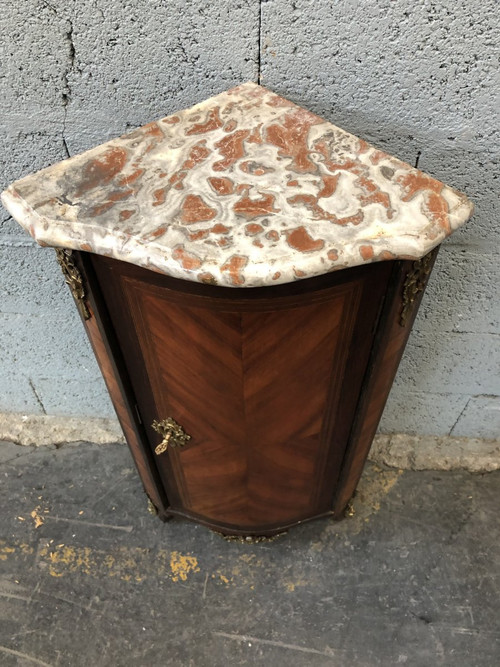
point(73, 279)
point(249, 539)
point(349, 510)
point(415, 282)
point(172, 432)
point(152, 507)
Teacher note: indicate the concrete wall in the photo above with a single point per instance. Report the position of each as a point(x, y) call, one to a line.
point(415, 78)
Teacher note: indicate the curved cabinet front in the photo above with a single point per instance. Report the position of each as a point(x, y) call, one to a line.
point(264, 382)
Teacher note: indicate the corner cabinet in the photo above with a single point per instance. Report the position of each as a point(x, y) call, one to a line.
point(248, 274)
point(252, 410)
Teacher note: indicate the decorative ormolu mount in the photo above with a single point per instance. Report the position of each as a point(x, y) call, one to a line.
point(250, 539)
point(349, 510)
point(152, 509)
point(414, 284)
point(73, 279)
point(172, 432)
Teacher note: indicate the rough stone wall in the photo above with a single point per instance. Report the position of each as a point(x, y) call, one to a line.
point(418, 79)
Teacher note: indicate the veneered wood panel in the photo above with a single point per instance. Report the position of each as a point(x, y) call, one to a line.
point(266, 381)
point(193, 361)
point(251, 390)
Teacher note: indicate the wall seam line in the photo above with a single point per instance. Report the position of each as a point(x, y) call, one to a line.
point(459, 416)
point(259, 43)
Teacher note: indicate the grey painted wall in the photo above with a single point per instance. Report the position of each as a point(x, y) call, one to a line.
point(413, 77)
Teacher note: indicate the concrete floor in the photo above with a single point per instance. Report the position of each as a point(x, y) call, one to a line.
point(89, 578)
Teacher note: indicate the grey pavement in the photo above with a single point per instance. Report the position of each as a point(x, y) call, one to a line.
point(88, 577)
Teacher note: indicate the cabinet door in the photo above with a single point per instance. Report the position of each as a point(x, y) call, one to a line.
point(266, 388)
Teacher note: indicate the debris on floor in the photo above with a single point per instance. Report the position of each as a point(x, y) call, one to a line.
point(89, 577)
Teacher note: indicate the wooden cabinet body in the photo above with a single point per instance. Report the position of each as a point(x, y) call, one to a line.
point(279, 388)
point(248, 390)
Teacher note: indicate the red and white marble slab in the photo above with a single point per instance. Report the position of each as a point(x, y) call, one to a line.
point(243, 190)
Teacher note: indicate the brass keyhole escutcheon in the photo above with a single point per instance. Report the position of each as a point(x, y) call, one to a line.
point(172, 432)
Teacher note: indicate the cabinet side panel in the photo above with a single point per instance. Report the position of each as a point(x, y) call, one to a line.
point(104, 345)
point(399, 312)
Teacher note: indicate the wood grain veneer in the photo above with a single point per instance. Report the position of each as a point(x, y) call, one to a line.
point(280, 388)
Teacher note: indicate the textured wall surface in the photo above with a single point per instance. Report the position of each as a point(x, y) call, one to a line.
point(418, 79)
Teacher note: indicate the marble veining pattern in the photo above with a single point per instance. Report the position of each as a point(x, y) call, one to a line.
point(245, 189)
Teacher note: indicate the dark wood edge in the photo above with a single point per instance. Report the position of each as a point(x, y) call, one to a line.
point(229, 530)
point(387, 350)
point(171, 475)
point(214, 297)
point(367, 305)
point(106, 349)
point(338, 367)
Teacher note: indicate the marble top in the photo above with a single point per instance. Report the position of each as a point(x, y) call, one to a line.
point(245, 189)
